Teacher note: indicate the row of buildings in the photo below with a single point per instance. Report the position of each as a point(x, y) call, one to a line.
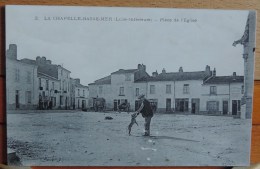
point(33, 84)
point(188, 92)
point(193, 92)
point(39, 84)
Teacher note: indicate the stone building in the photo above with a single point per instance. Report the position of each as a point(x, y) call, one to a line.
point(176, 91)
point(118, 87)
point(21, 82)
point(81, 95)
point(48, 91)
point(198, 92)
point(54, 83)
point(222, 95)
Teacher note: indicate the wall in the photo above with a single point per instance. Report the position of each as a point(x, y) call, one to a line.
point(22, 84)
point(49, 93)
point(64, 78)
point(81, 95)
point(225, 92)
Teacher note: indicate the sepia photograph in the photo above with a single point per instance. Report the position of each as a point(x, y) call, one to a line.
point(117, 86)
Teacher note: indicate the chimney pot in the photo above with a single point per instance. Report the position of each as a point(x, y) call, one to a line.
point(180, 69)
point(163, 71)
point(214, 72)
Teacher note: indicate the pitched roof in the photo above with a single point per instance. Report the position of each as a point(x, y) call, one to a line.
point(51, 70)
point(40, 74)
point(122, 71)
point(28, 61)
point(177, 76)
point(104, 80)
point(80, 85)
point(224, 79)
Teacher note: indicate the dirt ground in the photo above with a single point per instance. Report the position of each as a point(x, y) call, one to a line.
point(86, 138)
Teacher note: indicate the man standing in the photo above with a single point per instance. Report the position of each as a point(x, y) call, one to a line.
point(146, 110)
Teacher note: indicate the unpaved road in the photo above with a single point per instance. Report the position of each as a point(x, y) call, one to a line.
point(86, 138)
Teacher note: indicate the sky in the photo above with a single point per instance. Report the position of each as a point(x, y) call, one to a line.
point(92, 49)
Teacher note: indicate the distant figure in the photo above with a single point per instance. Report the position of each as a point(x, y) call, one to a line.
point(40, 104)
point(146, 110)
point(50, 105)
point(45, 104)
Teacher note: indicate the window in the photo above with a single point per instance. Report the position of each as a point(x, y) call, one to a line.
point(63, 85)
point(121, 91)
point(168, 89)
point(17, 75)
point(47, 84)
point(213, 90)
point(137, 92)
point(242, 89)
point(186, 89)
point(127, 77)
point(52, 85)
point(78, 93)
point(152, 89)
point(212, 106)
point(83, 92)
point(182, 105)
point(100, 89)
point(28, 96)
point(29, 74)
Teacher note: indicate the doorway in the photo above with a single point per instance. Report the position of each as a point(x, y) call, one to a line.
point(195, 106)
point(17, 104)
point(225, 107)
point(235, 107)
point(115, 105)
point(168, 105)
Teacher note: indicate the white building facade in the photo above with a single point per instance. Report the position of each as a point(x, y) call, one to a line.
point(81, 95)
point(22, 82)
point(199, 92)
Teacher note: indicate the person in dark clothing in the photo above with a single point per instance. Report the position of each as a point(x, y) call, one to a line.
point(146, 110)
point(50, 105)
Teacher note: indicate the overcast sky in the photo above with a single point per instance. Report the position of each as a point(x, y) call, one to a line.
point(94, 49)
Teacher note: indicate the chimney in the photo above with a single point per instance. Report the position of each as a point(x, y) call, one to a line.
point(38, 58)
point(143, 67)
point(48, 62)
point(234, 73)
point(155, 74)
point(139, 66)
point(77, 81)
point(180, 69)
point(214, 72)
point(163, 71)
point(12, 52)
point(207, 69)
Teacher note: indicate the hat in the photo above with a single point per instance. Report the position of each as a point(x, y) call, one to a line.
point(141, 96)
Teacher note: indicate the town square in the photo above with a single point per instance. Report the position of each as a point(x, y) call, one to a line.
point(86, 138)
point(166, 87)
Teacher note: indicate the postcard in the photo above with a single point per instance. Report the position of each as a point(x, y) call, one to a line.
point(115, 86)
